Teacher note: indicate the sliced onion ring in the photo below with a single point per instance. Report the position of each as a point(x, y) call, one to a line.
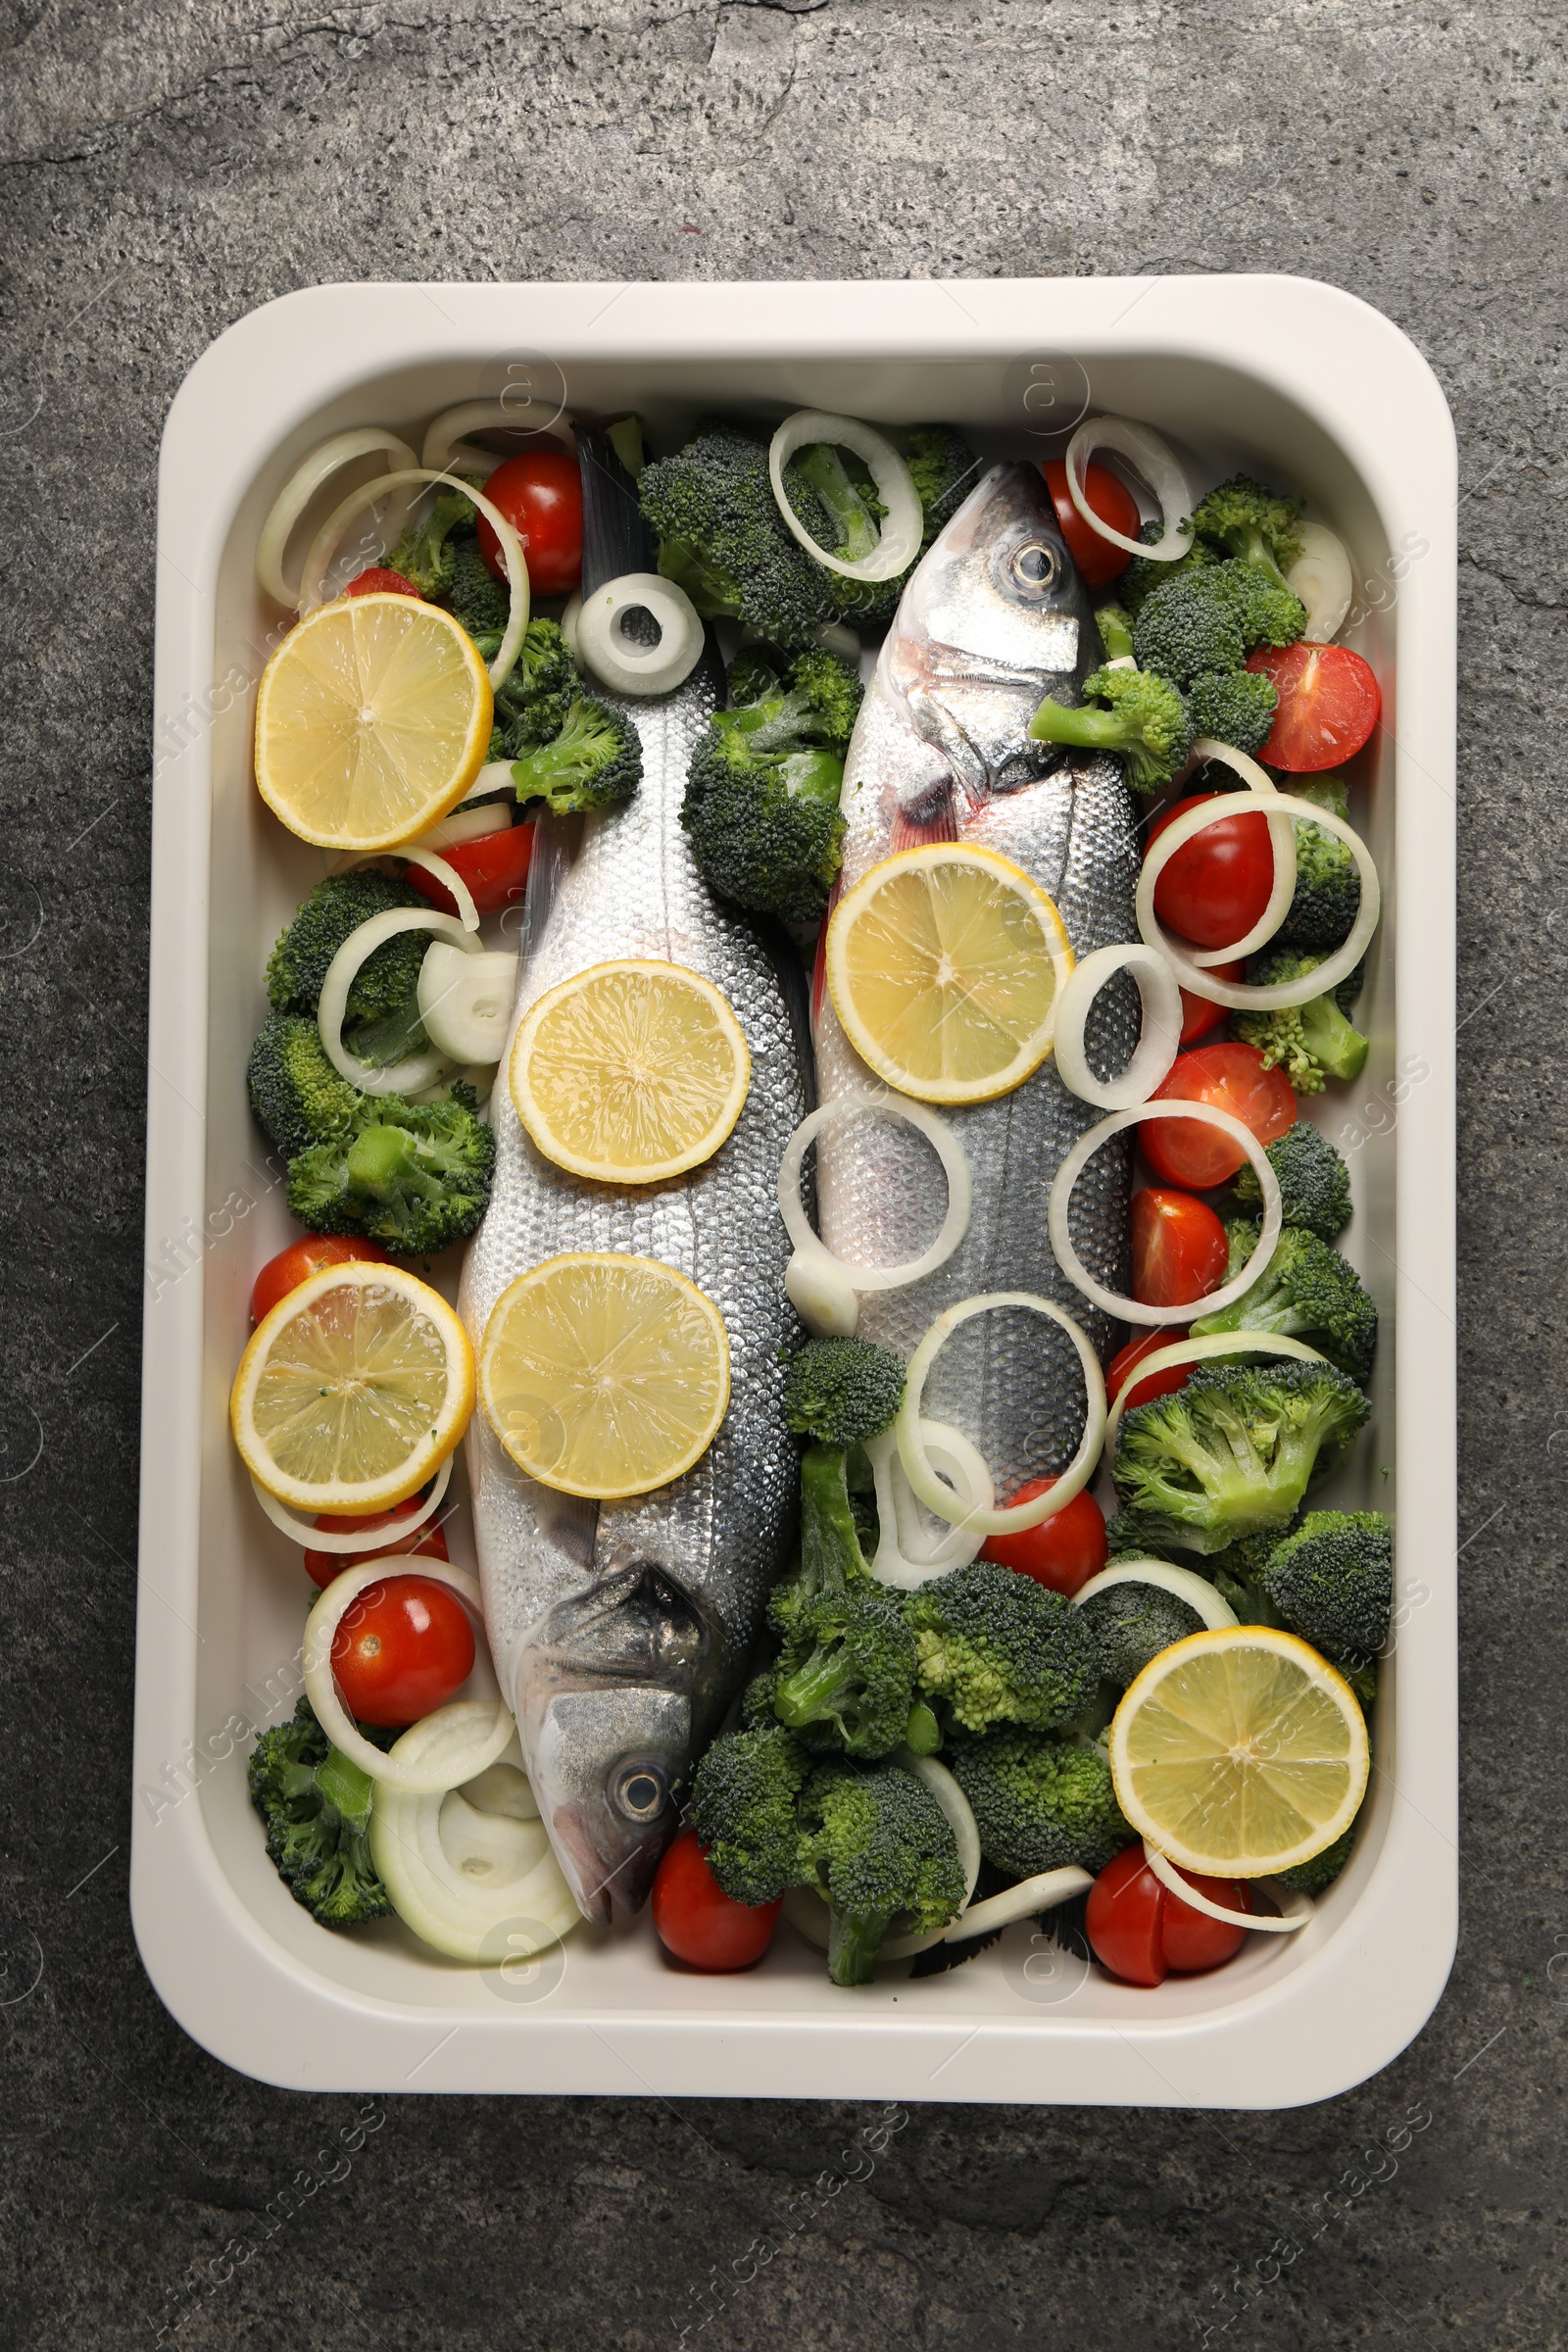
point(903, 524)
point(1197, 1352)
point(1158, 1036)
point(1282, 840)
point(479, 1730)
point(941, 1500)
point(1321, 577)
point(1298, 1908)
point(324, 547)
point(447, 876)
point(617, 661)
point(1132, 1310)
point(1185, 1584)
point(1041, 1893)
point(1240, 997)
point(444, 442)
point(318, 1539)
point(898, 1559)
point(1156, 464)
point(301, 487)
point(420, 1069)
point(470, 820)
point(821, 1285)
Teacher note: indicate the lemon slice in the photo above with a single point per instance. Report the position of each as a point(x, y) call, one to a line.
point(632, 1072)
point(353, 1391)
point(603, 1375)
point(1239, 1752)
point(945, 964)
point(373, 720)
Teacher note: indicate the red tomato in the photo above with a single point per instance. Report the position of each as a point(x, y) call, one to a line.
point(494, 865)
point(1329, 704)
point(1140, 1930)
point(1158, 1384)
point(540, 493)
point(302, 1259)
point(1178, 1248)
point(424, 1541)
point(1216, 886)
point(699, 1922)
point(378, 581)
point(1200, 1017)
point(1099, 561)
point(1062, 1552)
point(404, 1647)
point(1232, 1078)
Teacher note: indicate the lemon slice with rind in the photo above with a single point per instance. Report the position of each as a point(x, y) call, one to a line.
point(632, 1072)
point(1239, 1752)
point(372, 719)
point(353, 1391)
point(945, 964)
point(603, 1375)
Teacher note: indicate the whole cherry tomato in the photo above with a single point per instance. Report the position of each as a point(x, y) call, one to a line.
point(404, 1647)
point(1230, 1077)
point(1179, 1248)
point(1200, 1016)
point(1140, 1930)
point(424, 1541)
point(699, 1922)
point(494, 865)
point(540, 493)
point(1063, 1551)
point(378, 581)
point(300, 1260)
point(1329, 704)
point(1216, 886)
point(1158, 1384)
point(1099, 561)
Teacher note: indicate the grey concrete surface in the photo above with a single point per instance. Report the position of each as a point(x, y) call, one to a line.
point(166, 168)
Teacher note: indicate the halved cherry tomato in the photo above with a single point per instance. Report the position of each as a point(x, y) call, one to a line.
point(494, 865)
point(1231, 1077)
point(1178, 1248)
point(540, 493)
point(403, 1648)
point(697, 1921)
point(1158, 1384)
point(1099, 561)
point(378, 581)
point(1063, 1551)
point(426, 1541)
point(300, 1260)
point(1140, 1930)
point(1216, 886)
point(1200, 1017)
point(1329, 704)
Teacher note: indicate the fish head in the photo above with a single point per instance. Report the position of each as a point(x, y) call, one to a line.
point(612, 1684)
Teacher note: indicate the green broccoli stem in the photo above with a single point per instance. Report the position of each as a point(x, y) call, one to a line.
point(923, 1733)
point(1253, 548)
point(1115, 633)
point(825, 470)
point(1334, 1042)
point(383, 1163)
point(853, 1946)
point(714, 593)
point(813, 1692)
point(1084, 727)
point(346, 1786)
point(830, 1547)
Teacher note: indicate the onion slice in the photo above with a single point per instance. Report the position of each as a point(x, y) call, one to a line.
point(1132, 1310)
point(420, 1070)
point(474, 1732)
point(415, 854)
point(1237, 994)
point(470, 820)
point(318, 1538)
point(617, 661)
point(301, 487)
point(466, 1000)
point(1321, 577)
point(1157, 464)
point(905, 1556)
point(1158, 1036)
point(1197, 1352)
point(941, 1500)
point(903, 524)
point(1282, 840)
point(822, 1287)
point(445, 446)
point(1041, 1893)
point(1184, 1583)
point(1298, 1908)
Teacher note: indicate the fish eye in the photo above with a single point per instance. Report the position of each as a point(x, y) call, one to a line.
point(1034, 567)
point(640, 1792)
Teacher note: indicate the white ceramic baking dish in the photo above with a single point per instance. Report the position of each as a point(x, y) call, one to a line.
point(1308, 385)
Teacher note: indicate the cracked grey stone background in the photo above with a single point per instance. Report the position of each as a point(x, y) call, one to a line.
point(166, 169)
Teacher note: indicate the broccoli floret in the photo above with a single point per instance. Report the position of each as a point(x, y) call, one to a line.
point(1144, 575)
point(743, 1809)
point(843, 1391)
point(594, 761)
point(763, 790)
point(1244, 1561)
point(1306, 1292)
point(1314, 1181)
point(1249, 521)
point(1311, 1041)
point(296, 1094)
point(1132, 1623)
point(1116, 625)
point(877, 1844)
point(1146, 725)
point(833, 494)
point(1328, 887)
point(1332, 1583)
point(995, 1647)
point(1188, 627)
point(1266, 611)
point(1235, 707)
point(481, 601)
point(1040, 1803)
point(425, 555)
point(846, 1676)
point(386, 981)
point(945, 470)
point(723, 539)
point(1311, 1878)
point(316, 1805)
point(1233, 1451)
point(414, 1176)
point(544, 665)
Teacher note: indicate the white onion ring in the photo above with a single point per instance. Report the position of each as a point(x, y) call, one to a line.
point(447, 876)
point(1321, 577)
point(822, 1287)
point(1156, 464)
point(445, 446)
point(318, 1539)
point(1184, 1583)
point(1158, 1036)
point(1041, 1893)
point(420, 1069)
point(470, 820)
point(324, 547)
point(1132, 1310)
point(1282, 840)
point(1197, 1352)
point(903, 524)
point(1298, 1908)
point(898, 1557)
point(482, 1729)
point(1281, 994)
point(299, 490)
point(939, 1500)
point(618, 661)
